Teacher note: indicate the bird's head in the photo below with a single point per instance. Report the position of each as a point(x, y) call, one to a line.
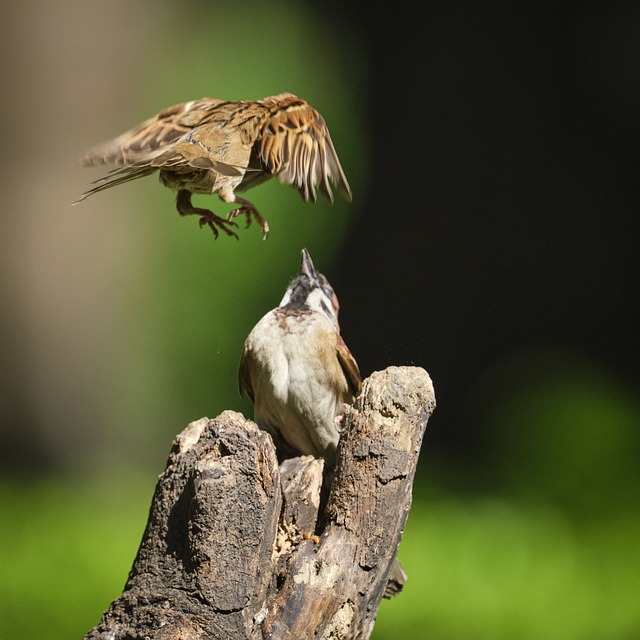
point(311, 290)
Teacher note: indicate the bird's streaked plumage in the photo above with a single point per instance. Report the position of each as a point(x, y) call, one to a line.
point(213, 146)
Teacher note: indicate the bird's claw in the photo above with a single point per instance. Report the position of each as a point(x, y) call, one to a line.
point(215, 222)
point(338, 421)
point(247, 209)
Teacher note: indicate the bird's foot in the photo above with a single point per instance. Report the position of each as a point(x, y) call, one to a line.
point(338, 421)
point(214, 222)
point(248, 209)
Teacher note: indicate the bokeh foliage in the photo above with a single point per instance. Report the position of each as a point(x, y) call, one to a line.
point(536, 539)
point(480, 567)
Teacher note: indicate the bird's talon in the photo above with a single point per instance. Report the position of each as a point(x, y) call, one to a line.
point(339, 420)
point(215, 223)
point(204, 220)
point(313, 537)
point(247, 209)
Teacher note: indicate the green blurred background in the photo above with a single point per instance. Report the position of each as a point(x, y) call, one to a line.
point(492, 151)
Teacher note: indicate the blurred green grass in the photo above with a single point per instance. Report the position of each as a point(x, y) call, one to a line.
point(499, 567)
point(66, 546)
point(510, 568)
point(548, 550)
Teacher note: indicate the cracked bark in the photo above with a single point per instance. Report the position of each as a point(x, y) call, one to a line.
point(237, 547)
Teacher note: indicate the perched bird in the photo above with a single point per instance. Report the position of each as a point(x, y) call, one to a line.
point(215, 146)
point(298, 371)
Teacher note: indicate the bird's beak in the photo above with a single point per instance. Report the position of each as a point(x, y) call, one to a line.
point(306, 266)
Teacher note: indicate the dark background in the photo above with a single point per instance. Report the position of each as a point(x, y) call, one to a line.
point(501, 213)
point(492, 149)
point(492, 152)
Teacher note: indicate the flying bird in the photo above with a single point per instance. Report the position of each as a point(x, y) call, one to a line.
point(214, 146)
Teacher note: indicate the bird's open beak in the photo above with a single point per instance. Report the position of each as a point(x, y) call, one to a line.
point(306, 266)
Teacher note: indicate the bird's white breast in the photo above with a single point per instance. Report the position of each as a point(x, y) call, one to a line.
point(297, 380)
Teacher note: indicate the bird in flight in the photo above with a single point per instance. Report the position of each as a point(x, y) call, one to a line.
point(212, 146)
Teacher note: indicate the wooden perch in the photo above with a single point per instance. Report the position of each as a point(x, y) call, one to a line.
point(238, 548)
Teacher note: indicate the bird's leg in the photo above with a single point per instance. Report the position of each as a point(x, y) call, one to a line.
point(185, 208)
point(246, 208)
point(338, 421)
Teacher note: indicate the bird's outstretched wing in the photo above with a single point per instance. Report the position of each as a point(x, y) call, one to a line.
point(281, 136)
point(293, 144)
point(147, 143)
point(161, 142)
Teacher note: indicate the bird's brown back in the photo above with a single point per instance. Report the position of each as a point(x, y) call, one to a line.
point(250, 140)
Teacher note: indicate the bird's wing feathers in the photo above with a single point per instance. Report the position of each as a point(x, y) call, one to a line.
point(289, 138)
point(244, 376)
point(294, 145)
point(145, 143)
point(116, 177)
point(161, 142)
point(349, 366)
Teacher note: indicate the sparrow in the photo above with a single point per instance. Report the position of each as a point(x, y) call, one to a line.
point(298, 371)
point(215, 146)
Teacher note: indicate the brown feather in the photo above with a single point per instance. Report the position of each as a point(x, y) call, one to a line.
point(296, 147)
point(244, 376)
point(349, 366)
point(213, 146)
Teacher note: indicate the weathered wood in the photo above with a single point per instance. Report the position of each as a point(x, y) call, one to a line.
point(236, 547)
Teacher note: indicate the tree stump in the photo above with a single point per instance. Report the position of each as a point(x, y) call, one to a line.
point(237, 547)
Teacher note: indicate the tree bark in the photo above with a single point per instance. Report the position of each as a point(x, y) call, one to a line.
point(237, 547)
